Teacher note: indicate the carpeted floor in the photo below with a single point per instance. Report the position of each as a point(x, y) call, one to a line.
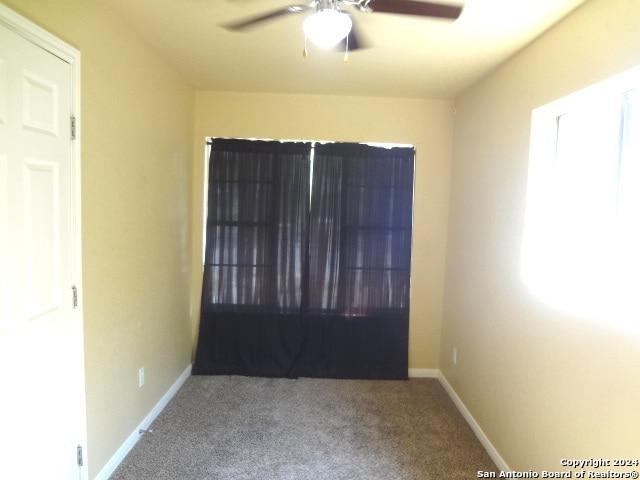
point(242, 428)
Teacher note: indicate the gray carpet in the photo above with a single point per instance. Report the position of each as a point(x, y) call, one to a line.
point(241, 428)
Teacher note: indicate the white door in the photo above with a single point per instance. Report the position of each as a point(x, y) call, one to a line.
point(39, 420)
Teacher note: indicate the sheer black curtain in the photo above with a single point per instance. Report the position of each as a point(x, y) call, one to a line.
point(255, 257)
point(300, 284)
point(357, 322)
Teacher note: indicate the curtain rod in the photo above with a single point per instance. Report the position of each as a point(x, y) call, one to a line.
point(371, 144)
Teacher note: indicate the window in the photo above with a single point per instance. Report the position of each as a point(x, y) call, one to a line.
point(347, 206)
point(256, 224)
point(581, 249)
point(364, 266)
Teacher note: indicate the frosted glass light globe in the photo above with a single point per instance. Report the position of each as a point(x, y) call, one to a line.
point(327, 27)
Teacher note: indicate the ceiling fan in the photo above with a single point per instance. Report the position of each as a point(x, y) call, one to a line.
point(327, 25)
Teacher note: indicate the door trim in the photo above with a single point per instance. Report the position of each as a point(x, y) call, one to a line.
point(42, 38)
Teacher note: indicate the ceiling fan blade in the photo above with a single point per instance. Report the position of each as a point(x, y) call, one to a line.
point(250, 22)
point(412, 7)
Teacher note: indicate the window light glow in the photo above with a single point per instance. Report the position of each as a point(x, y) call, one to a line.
point(581, 248)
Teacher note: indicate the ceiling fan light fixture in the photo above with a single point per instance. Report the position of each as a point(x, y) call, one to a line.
point(327, 27)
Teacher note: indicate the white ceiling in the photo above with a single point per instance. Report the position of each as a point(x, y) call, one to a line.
point(407, 56)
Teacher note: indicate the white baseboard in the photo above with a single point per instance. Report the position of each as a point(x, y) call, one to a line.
point(129, 443)
point(423, 373)
point(484, 440)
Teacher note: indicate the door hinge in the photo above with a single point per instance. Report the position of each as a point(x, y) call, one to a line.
point(73, 127)
point(74, 292)
point(79, 456)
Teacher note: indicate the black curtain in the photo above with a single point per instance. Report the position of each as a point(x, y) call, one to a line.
point(255, 258)
point(300, 283)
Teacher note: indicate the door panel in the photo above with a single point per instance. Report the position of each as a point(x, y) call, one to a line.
point(39, 426)
point(42, 237)
point(40, 104)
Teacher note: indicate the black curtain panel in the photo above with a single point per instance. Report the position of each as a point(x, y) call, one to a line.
point(357, 321)
point(307, 267)
point(255, 258)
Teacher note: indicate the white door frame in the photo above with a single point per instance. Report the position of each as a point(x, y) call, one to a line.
point(60, 49)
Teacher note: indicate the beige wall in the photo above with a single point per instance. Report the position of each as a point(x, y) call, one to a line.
point(136, 121)
point(543, 384)
point(424, 123)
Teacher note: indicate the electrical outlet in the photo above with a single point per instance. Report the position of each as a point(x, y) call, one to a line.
point(455, 356)
point(141, 377)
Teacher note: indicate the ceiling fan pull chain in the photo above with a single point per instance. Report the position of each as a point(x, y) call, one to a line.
point(305, 54)
point(346, 49)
